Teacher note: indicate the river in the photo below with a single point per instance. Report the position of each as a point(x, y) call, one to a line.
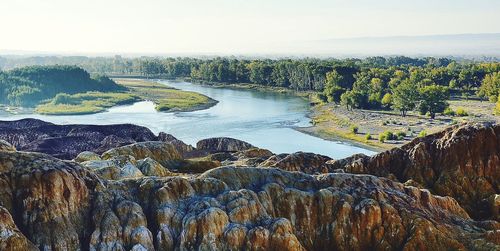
point(263, 119)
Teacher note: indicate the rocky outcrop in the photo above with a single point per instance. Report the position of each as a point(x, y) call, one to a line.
point(159, 151)
point(310, 163)
point(147, 196)
point(67, 141)
point(183, 148)
point(11, 237)
point(6, 146)
point(62, 206)
point(49, 201)
point(462, 162)
point(151, 167)
point(87, 156)
point(213, 145)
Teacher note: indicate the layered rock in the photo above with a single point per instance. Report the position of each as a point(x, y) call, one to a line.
point(213, 145)
point(11, 237)
point(462, 162)
point(49, 200)
point(60, 206)
point(310, 163)
point(67, 141)
point(6, 146)
point(146, 196)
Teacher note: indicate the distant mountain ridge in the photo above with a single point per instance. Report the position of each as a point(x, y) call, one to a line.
point(454, 45)
point(430, 45)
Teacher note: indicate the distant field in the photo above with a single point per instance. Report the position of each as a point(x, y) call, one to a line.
point(167, 98)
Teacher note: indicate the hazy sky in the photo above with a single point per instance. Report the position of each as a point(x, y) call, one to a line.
point(227, 26)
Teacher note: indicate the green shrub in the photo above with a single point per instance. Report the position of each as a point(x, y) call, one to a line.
point(382, 138)
point(368, 136)
point(354, 129)
point(387, 135)
point(422, 134)
point(461, 112)
point(449, 112)
point(400, 135)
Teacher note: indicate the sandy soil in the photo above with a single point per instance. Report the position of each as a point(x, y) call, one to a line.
point(333, 121)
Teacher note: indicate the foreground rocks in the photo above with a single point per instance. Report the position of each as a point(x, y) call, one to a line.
point(64, 206)
point(67, 141)
point(462, 162)
point(166, 195)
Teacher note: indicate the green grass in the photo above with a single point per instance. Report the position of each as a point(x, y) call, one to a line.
point(84, 103)
point(167, 98)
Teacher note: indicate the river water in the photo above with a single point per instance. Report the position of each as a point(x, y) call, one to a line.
point(263, 119)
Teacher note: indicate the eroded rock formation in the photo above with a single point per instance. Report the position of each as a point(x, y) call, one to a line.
point(67, 141)
point(63, 206)
point(462, 162)
point(146, 196)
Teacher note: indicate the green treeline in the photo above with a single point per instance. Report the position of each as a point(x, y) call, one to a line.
point(400, 83)
point(28, 86)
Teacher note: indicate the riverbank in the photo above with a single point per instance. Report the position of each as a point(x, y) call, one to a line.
point(365, 127)
point(166, 99)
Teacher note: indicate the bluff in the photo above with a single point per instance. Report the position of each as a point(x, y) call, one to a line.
point(462, 161)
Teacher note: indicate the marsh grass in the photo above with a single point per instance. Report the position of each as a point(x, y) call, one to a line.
point(167, 98)
point(84, 103)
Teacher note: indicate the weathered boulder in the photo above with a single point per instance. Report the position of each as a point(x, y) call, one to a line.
point(6, 146)
point(11, 239)
point(115, 168)
point(161, 152)
point(150, 167)
point(183, 148)
point(310, 163)
point(86, 156)
point(462, 161)
point(222, 144)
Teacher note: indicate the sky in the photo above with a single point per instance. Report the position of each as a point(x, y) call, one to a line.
point(227, 26)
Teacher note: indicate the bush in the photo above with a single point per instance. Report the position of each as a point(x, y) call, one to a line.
point(461, 112)
point(382, 138)
point(368, 136)
point(387, 135)
point(354, 129)
point(449, 112)
point(400, 135)
point(422, 134)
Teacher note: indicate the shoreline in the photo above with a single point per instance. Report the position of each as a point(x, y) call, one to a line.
point(312, 131)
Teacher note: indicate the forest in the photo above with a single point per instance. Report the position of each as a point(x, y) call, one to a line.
point(28, 86)
point(399, 83)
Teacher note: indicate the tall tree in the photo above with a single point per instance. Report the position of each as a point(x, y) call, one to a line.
point(433, 99)
point(405, 97)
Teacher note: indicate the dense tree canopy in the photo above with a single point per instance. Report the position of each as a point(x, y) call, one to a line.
point(28, 86)
point(370, 83)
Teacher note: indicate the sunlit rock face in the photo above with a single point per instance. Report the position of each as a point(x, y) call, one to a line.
point(462, 162)
point(213, 145)
point(147, 196)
